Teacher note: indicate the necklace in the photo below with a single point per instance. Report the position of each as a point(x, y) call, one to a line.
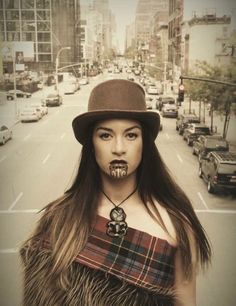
point(117, 227)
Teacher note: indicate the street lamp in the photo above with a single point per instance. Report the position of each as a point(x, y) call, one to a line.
point(57, 64)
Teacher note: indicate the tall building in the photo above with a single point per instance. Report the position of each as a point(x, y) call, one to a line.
point(42, 26)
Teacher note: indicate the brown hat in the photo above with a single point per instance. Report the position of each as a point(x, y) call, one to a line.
point(117, 98)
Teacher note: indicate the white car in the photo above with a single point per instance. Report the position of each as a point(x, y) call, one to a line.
point(5, 134)
point(169, 110)
point(152, 90)
point(28, 114)
point(43, 109)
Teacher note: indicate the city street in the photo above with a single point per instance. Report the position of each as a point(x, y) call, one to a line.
point(39, 164)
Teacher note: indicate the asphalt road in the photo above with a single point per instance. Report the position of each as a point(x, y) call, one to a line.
point(38, 165)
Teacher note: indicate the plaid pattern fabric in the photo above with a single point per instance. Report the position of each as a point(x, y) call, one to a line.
point(138, 258)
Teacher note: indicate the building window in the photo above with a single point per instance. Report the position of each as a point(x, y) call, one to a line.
point(13, 26)
point(27, 15)
point(46, 48)
point(44, 4)
point(43, 26)
point(43, 15)
point(13, 36)
point(12, 15)
point(27, 4)
point(28, 36)
point(10, 4)
point(28, 26)
point(44, 37)
point(44, 57)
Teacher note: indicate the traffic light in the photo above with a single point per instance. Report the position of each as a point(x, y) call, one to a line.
point(181, 93)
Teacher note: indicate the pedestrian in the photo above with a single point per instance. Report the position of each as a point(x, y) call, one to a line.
point(124, 234)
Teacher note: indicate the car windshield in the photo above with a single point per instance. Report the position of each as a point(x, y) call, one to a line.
point(52, 96)
point(202, 130)
point(212, 144)
point(227, 168)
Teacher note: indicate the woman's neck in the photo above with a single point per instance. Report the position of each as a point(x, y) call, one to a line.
point(117, 189)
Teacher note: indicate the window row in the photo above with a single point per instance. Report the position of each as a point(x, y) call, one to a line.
point(28, 36)
point(24, 4)
point(30, 26)
point(25, 15)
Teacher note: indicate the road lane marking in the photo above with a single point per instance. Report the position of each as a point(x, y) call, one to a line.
point(23, 211)
point(46, 158)
point(63, 135)
point(179, 158)
point(203, 201)
point(3, 158)
point(167, 136)
point(27, 137)
point(9, 251)
point(215, 211)
point(16, 200)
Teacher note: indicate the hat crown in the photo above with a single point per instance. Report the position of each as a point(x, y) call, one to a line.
point(118, 94)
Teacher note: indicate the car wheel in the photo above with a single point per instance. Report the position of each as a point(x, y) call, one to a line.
point(176, 128)
point(189, 142)
point(200, 171)
point(194, 153)
point(10, 136)
point(210, 188)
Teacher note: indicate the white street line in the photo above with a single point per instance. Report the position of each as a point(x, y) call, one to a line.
point(46, 158)
point(63, 135)
point(167, 136)
point(27, 137)
point(203, 201)
point(25, 211)
point(9, 251)
point(3, 158)
point(215, 211)
point(179, 158)
point(16, 200)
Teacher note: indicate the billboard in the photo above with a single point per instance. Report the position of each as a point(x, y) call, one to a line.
point(23, 49)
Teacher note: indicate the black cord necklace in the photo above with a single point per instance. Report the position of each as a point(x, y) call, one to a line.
point(117, 227)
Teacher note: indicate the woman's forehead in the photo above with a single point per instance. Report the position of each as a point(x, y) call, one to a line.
point(115, 123)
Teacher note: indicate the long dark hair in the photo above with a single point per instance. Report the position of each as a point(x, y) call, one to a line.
point(66, 222)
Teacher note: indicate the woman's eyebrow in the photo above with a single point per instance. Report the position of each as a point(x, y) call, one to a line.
point(110, 130)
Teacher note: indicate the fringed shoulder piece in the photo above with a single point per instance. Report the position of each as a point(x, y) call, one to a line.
point(136, 270)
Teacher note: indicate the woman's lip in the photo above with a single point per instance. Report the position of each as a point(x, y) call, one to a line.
point(118, 161)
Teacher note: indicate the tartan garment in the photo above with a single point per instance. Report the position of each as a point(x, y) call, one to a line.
point(138, 258)
point(136, 270)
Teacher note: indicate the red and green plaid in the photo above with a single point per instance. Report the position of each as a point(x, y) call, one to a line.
point(138, 258)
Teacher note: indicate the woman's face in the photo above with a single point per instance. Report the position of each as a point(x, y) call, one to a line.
point(118, 146)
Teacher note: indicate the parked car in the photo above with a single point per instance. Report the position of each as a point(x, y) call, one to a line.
point(169, 110)
point(43, 109)
point(29, 114)
point(5, 134)
point(152, 89)
point(218, 169)
point(208, 143)
point(194, 130)
point(183, 120)
point(19, 94)
point(53, 99)
point(162, 100)
point(84, 81)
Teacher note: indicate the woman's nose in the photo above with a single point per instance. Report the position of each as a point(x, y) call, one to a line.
point(118, 146)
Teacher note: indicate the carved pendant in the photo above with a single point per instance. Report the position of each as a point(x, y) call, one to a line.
point(117, 227)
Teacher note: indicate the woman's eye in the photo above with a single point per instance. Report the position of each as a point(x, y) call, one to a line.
point(131, 136)
point(105, 136)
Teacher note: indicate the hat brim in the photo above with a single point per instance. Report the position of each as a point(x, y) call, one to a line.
point(82, 122)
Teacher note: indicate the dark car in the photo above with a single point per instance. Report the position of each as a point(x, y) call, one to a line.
point(53, 99)
point(218, 169)
point(205, 144)
point(162, 100)
point(19, 94)
point(184, 120)
point(193, 131)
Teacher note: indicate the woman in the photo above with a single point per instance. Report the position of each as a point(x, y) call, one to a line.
point(124, 234)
